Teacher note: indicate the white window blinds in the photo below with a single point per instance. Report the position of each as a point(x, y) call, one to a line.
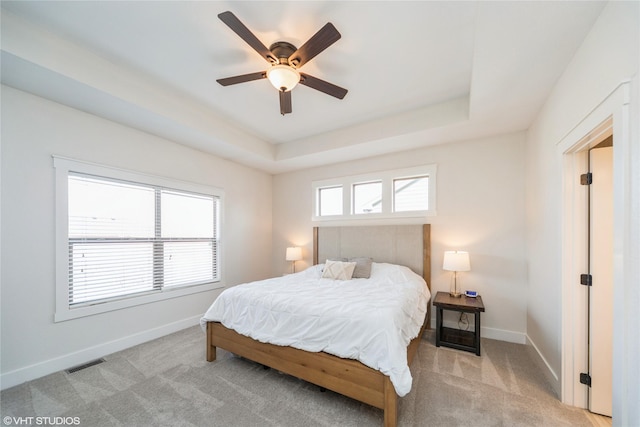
point(129, 238)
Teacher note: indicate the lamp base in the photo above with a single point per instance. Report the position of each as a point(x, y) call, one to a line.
point(453, 286)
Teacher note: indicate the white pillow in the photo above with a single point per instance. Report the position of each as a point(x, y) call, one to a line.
point(338, 270)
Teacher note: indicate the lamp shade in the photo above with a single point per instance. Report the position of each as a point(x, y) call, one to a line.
point(294, 254)
point(283, 76)
point(456, 261)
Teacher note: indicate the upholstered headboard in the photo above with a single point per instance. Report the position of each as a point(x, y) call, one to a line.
point(408, 245)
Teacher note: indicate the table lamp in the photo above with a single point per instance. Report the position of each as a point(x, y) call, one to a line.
point(456, 261)
point(294, 254)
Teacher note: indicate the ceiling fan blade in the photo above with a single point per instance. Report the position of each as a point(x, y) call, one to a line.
point(321, 40)
point(285, 102)
point(322, 86)
point(245, 34)
point(243, 78)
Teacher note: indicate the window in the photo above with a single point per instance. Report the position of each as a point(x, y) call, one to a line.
point(402, 193)
point(330, 201)
point(367, 197)
point(411, 194)
point(189, 248)
point(126, 239)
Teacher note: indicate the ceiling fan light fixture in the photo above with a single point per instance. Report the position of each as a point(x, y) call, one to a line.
point(283, 76)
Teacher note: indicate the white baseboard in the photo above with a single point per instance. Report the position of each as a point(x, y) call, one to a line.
point(28, 373)
point(544, 366)
point(504, 335)
point(492, 333)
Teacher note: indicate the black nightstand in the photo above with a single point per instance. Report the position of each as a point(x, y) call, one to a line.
point(455, 338)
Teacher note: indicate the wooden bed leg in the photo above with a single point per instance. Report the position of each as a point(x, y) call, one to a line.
point(390, 404)
point(211, 353)
point(211, 349)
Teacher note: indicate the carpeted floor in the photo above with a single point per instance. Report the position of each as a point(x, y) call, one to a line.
point(167, 382)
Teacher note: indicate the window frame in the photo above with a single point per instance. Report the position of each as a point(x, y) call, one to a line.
point(387, 178)
point(64, 311)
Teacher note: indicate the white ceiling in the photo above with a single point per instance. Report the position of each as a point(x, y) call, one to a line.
point(418, 72)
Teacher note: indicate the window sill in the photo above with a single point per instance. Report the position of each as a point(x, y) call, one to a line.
point(375, 216)
point(66, 313)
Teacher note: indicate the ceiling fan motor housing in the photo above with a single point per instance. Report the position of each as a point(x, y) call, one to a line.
point(282, 51)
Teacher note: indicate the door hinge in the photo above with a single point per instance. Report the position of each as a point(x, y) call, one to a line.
point(586, 279)
point(585, 379)
point(586, 178)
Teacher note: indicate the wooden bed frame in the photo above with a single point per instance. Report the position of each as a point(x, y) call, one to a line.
point(345, 376)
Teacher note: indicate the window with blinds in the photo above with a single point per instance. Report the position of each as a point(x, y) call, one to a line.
point(128, 239)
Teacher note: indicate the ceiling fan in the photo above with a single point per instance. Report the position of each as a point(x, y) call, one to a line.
point(285, 60)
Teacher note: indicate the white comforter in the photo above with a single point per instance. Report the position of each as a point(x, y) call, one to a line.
point(371, 320)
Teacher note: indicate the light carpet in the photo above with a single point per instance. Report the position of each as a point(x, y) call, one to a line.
point(167, 382)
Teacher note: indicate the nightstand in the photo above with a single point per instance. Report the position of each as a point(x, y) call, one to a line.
point(455, 338)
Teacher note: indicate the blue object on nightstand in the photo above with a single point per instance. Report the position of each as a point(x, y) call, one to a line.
point(471, 294)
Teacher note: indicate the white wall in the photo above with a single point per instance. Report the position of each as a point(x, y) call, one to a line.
point(608, 56)
point(33, 129)
point(480, 204)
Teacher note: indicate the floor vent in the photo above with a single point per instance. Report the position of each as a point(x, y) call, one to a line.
point(85, 366)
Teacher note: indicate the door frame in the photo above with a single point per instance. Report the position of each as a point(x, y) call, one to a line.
point(610, 117)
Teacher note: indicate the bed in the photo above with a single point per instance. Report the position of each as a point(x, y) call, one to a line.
point(404, 245)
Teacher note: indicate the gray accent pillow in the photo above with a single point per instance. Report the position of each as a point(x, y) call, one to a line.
point(363, 268)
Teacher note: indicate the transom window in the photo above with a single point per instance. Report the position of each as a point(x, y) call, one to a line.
point(388, 194)
point(411, 194)
point(329, 201)
point(367, 197)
